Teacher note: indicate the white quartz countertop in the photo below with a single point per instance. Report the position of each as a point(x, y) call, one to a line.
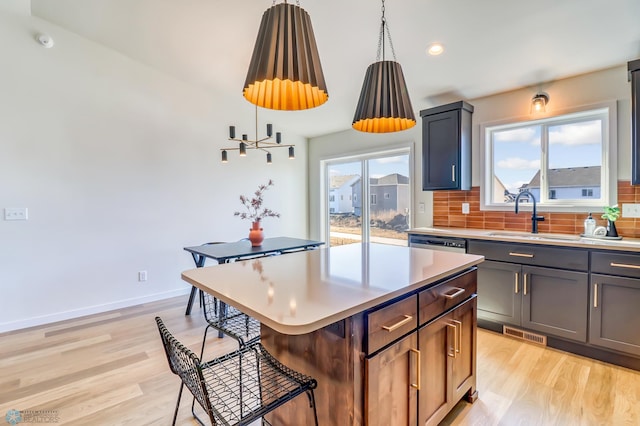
point(566, 240)
point(301, 292)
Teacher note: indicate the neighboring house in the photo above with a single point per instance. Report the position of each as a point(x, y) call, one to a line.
point(572, 183)
point(340, 193)
point(388, 193)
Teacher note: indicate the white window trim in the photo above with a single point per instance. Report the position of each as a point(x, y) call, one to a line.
point(609, 168)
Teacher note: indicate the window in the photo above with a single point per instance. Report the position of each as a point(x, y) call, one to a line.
point(566, 161)
point(387, 196)
point(355, 197)
point(374, 199)
point(332, 198)
point(342, 198)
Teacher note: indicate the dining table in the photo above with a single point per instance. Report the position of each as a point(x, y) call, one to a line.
point(243, 250)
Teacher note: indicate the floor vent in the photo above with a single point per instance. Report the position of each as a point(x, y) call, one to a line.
point(524, 335)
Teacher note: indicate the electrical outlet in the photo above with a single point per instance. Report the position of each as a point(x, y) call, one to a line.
point(465, 208)
point(16, 213)
point(142, 276)
point(631, 210)
point(420, 207)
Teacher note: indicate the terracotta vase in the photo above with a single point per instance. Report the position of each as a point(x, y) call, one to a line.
point(255, 234)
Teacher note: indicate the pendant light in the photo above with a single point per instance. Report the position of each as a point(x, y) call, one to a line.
point(384, 105)
point(285, 71)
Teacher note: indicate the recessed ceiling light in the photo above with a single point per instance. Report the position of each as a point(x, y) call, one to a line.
point(435, 49)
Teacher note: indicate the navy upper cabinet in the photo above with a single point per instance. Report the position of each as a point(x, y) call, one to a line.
point(446, 147)
point(634, 75)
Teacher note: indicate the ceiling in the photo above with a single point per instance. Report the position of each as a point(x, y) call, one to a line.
point(491, 46)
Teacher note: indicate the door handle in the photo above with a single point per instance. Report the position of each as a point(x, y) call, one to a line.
point(390, 328)
point(458, 340)
point(625, 265)
point(456, 293)
point(517, 275)
point(455, 338)
point(595, 295)
point(416, 385)
point(524, 286)
point(453, 173)
point(516, 254)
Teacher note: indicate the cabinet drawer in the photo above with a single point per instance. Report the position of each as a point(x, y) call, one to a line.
point(391, 322)
point(435, 300)
point(622, 264)
point(532, 254)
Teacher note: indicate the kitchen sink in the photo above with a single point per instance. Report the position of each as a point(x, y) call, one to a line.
point(530, 236)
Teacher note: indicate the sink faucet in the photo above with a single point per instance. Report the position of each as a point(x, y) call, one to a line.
point(534, 217)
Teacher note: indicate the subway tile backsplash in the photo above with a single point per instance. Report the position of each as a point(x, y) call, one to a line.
point(447, 211)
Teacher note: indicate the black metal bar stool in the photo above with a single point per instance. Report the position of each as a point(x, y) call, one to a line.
point(237, 388)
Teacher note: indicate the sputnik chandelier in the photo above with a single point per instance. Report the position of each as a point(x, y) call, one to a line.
point(263, 144)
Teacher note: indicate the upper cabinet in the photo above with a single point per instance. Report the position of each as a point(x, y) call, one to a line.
point(446, 147)
point(634, 76)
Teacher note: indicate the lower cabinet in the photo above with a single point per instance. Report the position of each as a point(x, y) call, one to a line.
point(391, 383)
point(551, 301)
point(419, 378)
point(447, 350)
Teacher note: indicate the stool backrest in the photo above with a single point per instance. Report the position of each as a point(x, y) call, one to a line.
point(185, 364)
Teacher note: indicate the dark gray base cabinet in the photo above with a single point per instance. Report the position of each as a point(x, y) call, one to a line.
point(551, 301)
point(615, 313)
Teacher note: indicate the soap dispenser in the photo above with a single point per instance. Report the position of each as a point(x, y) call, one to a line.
point(589, 225)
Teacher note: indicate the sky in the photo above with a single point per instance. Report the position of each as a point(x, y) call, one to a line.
point(378, 167)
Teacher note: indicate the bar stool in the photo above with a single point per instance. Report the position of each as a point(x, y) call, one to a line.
point(237, 388)
point(230, 321)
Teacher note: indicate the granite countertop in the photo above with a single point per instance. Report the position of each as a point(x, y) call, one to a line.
point(301, 292)
point(566, 240)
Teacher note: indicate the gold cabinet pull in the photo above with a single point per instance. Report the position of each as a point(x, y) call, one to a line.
point(453, 173)
point(456, 293)
point(416, 385)
point(625, 265)
point(517, 274)
point(390, 328)
point(595, 295)
point(524, 286)
point(516, 254)
point(455, 334)
point(458, 341)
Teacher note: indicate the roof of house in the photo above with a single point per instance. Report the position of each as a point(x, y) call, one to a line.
point(392, 179)
point(569, 177)
point(338, 181)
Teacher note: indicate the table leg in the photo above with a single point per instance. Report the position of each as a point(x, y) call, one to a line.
point(199, 261)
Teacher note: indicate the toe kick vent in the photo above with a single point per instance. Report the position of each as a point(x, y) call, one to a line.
point(524, 335)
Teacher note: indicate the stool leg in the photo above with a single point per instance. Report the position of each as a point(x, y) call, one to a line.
point(175, 414)
point(312, 399)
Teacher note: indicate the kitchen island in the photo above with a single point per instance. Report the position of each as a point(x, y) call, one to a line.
point(388, 332)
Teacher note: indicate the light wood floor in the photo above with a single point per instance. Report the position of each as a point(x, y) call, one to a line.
point(110, 369)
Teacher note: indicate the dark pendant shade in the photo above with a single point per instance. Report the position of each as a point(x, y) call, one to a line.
point(285, 71)
point(384, 105)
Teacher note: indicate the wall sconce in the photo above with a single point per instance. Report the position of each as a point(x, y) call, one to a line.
point(539, 102)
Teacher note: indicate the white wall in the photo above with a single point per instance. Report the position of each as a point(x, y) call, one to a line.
point(599, 86)
point(119, 167)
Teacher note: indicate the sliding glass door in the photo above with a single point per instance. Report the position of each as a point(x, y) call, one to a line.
point(368, 198)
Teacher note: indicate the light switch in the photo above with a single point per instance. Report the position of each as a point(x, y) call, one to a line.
point(420, 207)
point(631, 210)
point(15, 213)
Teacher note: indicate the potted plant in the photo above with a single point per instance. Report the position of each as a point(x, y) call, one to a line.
point(611, 214)
point(255, 213)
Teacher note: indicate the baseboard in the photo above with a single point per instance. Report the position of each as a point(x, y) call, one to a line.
point(96, 309)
